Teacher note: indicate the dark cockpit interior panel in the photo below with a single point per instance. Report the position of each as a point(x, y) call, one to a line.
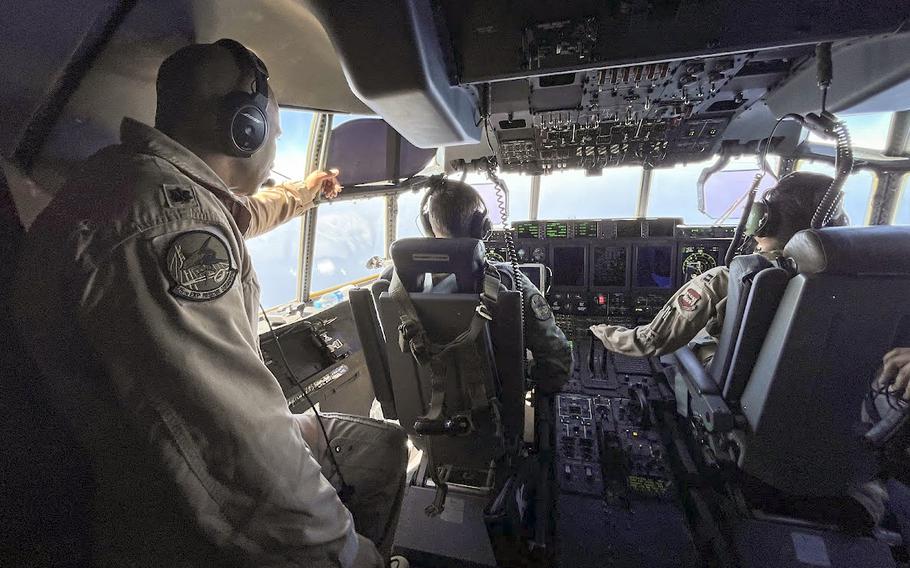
point(618, 271)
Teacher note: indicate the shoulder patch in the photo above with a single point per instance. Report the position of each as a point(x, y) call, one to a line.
point(179, 196)
point(199, 265)
point(689, 300)
point(541, 308)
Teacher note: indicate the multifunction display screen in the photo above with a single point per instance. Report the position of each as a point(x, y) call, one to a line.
point(609, 266)
point(569, 266)
point(654, 267)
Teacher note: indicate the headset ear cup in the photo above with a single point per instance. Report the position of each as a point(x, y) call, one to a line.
point(481, 226)
point(244, 126)
point(425, 225)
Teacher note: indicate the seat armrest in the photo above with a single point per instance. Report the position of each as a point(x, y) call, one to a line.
point(692, 371)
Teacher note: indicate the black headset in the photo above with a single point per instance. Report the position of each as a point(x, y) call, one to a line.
point(243, 125)
point(480, 227)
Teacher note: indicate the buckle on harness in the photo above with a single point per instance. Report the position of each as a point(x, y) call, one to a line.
point(483, 312)
point(411, 338)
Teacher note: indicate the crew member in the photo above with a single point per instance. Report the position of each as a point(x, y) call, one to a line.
point(137, 298)
point(449, 210)
point(701, 302)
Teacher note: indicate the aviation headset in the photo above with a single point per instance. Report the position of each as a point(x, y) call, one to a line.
point(779, 204)
point(243, 125)
point(480, 226)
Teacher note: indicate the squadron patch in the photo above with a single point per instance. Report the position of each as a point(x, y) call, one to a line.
point(540, 308)
point(689, 299)
point(199, 264)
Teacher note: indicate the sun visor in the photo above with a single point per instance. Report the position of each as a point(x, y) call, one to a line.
point(368, 150)
point(394, 62)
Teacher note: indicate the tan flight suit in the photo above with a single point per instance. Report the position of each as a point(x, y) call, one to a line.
point(698, 305)
point(138, 301)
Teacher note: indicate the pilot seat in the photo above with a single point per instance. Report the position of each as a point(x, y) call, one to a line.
point(444, 346)
point(779, 406)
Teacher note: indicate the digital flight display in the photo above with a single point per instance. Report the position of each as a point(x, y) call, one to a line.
point(698, 259)
point(556, 230)
point(527, 230)
point(586, 230)
point(609, 265)
point(654, 267)
point(569, 266)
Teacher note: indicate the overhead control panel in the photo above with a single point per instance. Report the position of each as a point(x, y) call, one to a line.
point(652, 114)
point(619, 271)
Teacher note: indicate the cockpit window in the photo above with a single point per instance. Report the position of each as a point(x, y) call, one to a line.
point(348, 234)
point(902, 215)
point(868, 130)
point(674, 191)
point(857, 189)
point(574, 195)
point(276, 254)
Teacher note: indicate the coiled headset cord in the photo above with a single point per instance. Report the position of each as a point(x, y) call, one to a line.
point(346, 490)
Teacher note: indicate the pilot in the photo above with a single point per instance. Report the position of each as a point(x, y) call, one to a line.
point(447, 211)
point(137, 299)
point(700, 304)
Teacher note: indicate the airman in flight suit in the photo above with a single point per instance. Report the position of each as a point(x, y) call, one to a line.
point(447, 212)
point(136, 296)
point(700, 304)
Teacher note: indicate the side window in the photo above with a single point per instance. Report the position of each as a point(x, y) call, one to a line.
point(348, 234)
point(902, 215)
point(276, 254)
point(408, 222)
point(574, 195)
point(868, 130)
point(857, 188)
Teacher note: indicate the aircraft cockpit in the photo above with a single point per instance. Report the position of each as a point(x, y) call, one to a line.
point(626, 154)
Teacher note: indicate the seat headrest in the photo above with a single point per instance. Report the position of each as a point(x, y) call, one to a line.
point(881, 249)
point(413, 258)
point(747, 265)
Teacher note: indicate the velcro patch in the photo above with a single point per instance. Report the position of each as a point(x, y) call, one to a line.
point(179, 196)
point(689, 299)
point(541, 308)
point(199, 265)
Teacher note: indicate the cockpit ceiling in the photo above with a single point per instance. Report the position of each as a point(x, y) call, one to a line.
point(588, 85)
point(499, 40)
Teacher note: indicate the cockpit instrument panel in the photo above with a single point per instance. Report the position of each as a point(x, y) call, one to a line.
point(556, 230)
point(696, 259)
point(610, 267)
point(613, 270)
point(654, 266)
point(527, 230)
point(585, 230)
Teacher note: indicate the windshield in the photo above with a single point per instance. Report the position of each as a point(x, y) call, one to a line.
point(575, 195)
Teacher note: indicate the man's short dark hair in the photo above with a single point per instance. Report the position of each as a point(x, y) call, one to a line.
point(192, 82)
point(450, 205)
